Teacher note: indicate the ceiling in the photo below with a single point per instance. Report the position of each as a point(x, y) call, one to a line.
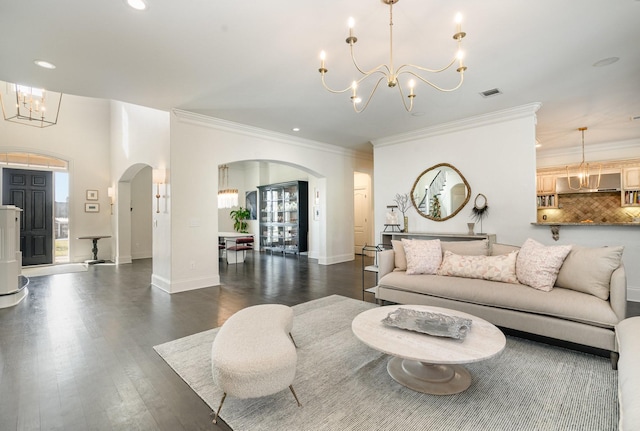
point(257, 62)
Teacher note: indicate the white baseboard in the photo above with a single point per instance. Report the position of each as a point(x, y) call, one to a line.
point(121, 260)
point(330, 260)
point(633, 293)
point(184, 285)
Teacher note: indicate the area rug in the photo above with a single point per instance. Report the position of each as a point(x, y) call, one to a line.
point(344, 385)
point(39, 271)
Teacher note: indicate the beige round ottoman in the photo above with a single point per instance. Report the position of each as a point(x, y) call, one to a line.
point(253, 354)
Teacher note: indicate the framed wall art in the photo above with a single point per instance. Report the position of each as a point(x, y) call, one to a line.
point(92, 195)
point(91, 207)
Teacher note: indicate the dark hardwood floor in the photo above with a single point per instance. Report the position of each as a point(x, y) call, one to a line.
point(77, 353)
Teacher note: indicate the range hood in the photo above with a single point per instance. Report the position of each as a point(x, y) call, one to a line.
point(608, 183)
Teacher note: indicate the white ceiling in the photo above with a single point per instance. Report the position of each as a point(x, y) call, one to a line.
point(257, 62)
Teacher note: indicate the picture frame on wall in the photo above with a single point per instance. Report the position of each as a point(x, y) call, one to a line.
point(90, 207)
point(92, 195)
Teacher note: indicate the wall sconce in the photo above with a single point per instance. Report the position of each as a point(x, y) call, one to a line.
point(111, 194)
point(159, 177)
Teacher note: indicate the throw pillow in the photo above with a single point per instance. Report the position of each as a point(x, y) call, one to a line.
point(589, 270)
point(495, 268)
point(467, 248)
point(423, 257)
point(399, 255)
point(538, 265)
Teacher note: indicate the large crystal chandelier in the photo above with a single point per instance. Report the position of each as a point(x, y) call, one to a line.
point(227, 198)
point(30, 106)
point(388, 72)
point(582, 174)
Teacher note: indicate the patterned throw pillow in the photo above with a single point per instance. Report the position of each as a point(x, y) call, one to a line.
point(538, 265)
point(423, 257)
point(495, 268)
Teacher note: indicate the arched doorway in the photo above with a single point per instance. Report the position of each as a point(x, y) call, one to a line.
point(133, 210)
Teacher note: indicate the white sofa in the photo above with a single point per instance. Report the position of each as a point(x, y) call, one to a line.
point(628, 373)
point(574, 314)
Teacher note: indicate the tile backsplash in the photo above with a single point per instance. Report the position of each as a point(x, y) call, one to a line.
point(601, 207)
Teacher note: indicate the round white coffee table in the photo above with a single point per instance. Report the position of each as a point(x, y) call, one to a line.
point(426, 363)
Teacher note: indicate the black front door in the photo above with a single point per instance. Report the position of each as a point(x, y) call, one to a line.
point(32, 191)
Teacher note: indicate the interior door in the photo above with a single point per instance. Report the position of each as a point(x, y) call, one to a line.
point(32, 191)
point(360, 221)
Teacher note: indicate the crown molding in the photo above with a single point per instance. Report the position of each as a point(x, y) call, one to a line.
point(631, 144)
point(459, 125)
point(243, 129)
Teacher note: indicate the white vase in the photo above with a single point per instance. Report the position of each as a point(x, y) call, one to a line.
point(470, 226)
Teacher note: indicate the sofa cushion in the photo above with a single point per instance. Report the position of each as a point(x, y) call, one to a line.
point(423, 257)
point(467, 248)
point(498, 249)
point(399, 255)
point(561, 303)
point(470, 248)
point(496, 268)
point(589, 270)
point(537, 265)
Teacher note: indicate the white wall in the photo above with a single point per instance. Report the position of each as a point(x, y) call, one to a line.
point(142, 204)
point(140, 137)
point(204, 144)
point(81, 137)
point(496, 154)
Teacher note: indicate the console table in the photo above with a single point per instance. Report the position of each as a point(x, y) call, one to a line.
point(94, 239)
point(386, 237)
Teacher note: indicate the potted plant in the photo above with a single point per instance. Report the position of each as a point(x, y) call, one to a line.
point(239, 216)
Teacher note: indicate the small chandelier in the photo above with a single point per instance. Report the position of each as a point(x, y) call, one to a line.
point(582, 173)
point(227, 198)
point(389, 73)
point(33, 106)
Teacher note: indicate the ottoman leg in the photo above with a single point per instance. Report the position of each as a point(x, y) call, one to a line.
point(215, 418)
point(293, 341)
point(295, 396)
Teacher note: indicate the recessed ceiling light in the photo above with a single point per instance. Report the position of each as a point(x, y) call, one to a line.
point(137, 4)
point(296, 129)
point(606, 61)
point(44, 64)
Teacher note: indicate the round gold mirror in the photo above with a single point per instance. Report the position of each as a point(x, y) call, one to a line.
point(440, 192)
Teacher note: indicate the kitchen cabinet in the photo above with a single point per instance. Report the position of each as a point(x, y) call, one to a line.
point(284, 217)
point(631, 178)
point(631, 187)
point(546, 184)
point(546, 196)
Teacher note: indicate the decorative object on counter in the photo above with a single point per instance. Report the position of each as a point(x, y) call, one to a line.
point(440, 192)
point(403, 203)
point(392, 216)
point(471, 226)
point(581, 178)
point(480, 209)
point(427, 322)
point(239, 216)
